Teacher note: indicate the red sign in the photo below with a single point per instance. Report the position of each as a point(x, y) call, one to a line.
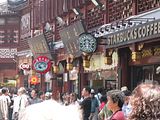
point(34, 80)
point(42, 64)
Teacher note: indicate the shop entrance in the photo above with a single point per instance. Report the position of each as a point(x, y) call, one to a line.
point(145, 74)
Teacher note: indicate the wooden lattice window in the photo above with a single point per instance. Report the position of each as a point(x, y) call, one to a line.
point(119, 9)
point(145, 5)
point(95, 17)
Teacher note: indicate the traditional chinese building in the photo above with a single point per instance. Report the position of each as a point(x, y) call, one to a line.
point(82, 34)
point(9, 42)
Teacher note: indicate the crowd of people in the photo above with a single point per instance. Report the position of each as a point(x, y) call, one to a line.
point(143, 103)
point(12, 102)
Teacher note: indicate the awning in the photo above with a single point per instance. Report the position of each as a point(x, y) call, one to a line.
point(136, 28)
point(145, 16)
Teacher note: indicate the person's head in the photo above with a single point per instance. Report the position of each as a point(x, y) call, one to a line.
point(48, 95)
point(21, 91)
point(73, 97)
point(92, 92)
point(41, 95)
point(34, 93)
point(124, 88)
point(127, 94)
point(115, 99)
point(145, 102)
point(103, 99)
point(86, 91)
point(4, 91)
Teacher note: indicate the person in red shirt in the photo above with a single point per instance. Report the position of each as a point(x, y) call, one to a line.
point(115, 103)
point(103, 102)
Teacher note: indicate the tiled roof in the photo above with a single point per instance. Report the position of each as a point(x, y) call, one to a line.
point(4, 9)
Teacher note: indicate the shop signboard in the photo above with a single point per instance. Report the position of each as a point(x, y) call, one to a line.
point(42, 64)
point(24, 66)
point(87, 43)
point(39, 46)
point(17, 4)
point(25, 26)
point(139, 33)
point(70, 38)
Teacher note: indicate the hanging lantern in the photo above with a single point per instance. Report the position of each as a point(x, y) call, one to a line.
point(55, 69)
point(69, 66)
point(108, 60)
point(86, 63)
point(136, 56)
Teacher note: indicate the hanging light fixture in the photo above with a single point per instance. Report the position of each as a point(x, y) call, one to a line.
point(97, 3)
point(77, 11)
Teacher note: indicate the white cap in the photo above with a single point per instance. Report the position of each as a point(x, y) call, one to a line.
point(92, 91)
point(124, 88)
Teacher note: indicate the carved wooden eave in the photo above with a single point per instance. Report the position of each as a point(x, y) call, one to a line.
point(5, 11)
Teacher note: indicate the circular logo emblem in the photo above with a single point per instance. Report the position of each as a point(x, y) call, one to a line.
point(87, 43)
point(42, 64)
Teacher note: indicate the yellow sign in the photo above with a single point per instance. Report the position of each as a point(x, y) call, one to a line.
point(34, 80)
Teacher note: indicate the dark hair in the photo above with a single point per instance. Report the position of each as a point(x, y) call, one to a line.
point(40, 93)
point(88, 89)
point(4, 90)
point(116, 96)
point(127, 92)
point(103, 99)
point(145, 102)
point(36, 90)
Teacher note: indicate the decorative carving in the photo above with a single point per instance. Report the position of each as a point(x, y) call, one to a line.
point(147, 53)
point(157, 51)
point(8, 53)
point(147, 5)
point(136, 56)
point(140, 46)
point(108, 60)
point(69, 66)
point(55, 69)
point(86, 63)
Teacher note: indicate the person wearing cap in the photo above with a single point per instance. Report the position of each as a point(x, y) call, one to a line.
point(94, 106)
point(124, 88)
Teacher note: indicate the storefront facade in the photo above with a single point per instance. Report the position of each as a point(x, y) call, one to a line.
point(138, 47)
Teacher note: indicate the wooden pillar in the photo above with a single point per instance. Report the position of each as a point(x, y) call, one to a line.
point(21, 81)
point(54, 87)
point(123, 66)
point(42, 82)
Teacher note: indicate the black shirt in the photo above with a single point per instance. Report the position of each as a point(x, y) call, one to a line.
point(86, 106)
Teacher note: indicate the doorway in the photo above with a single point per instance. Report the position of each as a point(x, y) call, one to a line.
point(145, 74)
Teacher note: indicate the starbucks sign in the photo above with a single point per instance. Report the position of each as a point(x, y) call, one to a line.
point(138, 33)
point(87, 43)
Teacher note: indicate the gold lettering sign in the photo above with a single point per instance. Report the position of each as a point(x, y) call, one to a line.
point(131, 35)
